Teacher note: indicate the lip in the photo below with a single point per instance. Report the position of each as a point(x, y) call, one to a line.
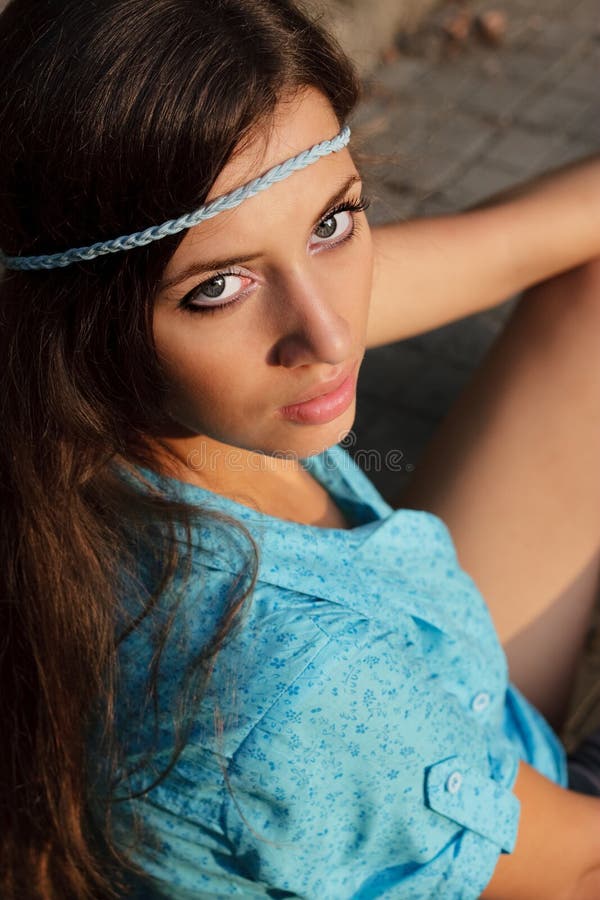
point(324, 402)
point(324, 388)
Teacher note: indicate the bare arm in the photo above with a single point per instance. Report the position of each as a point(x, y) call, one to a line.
point(432, 271)
point(557, 854)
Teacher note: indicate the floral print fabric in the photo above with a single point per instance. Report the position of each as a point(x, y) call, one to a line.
point(368, 737)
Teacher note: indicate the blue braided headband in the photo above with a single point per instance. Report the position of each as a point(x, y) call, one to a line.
point(173, 226)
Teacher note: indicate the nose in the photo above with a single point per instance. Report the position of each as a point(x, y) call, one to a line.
point(311, 329)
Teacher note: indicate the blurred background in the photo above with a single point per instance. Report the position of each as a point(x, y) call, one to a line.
point(468, 99)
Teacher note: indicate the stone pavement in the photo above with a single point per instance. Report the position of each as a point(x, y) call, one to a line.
point(464, 128)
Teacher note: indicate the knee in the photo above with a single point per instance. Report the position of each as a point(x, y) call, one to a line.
point(589, 275)
point(574, 289)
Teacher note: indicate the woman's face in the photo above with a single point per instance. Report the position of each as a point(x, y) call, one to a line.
point(241, 340)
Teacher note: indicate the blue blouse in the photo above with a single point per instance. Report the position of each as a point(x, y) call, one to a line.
point(359, 738)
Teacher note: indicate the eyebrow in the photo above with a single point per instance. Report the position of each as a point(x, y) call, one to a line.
point(199, 266)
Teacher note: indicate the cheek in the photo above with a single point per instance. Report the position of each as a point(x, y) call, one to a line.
point(357, 281)
point(367, 264)
point(191, 367)
point(207, 375)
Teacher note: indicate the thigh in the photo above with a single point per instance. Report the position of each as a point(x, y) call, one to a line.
point(514, 471)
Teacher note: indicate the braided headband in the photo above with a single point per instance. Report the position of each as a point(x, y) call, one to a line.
point(173, 226)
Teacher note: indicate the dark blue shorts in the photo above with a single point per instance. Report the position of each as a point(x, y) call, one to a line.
point(583, 766)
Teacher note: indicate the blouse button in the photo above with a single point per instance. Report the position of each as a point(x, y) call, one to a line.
point(480, 701)
point(454, 782)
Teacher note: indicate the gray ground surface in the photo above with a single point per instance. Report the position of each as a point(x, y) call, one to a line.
point(365, 27)
point(465, 128)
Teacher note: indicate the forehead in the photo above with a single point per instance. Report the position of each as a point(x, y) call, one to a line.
point(300, 120)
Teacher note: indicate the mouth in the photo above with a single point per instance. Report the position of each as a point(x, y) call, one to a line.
point(324, 387)
point(325, 401)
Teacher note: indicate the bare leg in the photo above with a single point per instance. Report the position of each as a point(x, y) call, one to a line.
point(514, 471)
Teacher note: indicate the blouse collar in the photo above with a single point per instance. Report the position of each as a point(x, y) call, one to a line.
point(310, 558)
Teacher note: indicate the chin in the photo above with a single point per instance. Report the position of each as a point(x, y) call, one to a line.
point(310, 440)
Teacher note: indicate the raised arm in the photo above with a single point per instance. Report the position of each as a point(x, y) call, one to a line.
point(432, 271)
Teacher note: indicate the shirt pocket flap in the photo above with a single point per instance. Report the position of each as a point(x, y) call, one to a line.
point(461, 792)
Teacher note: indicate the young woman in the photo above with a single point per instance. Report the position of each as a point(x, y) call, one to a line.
point(229, 667)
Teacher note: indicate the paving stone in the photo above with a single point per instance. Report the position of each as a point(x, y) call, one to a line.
point(530, 8)
point(396, 176)
point(565, 32)
point(583, 81)
point(434, 204)
point(448, 146)
point(497, 100)
point(403, 131)
point(587, 124)
point(399, 75)
point(389, 451)
point(388, 205)
point(517, 65)
point(497, 316)
point(548, 34)
point(369, 117)
point(587, 13)
point(432, 171)
point(445, 85)
point(565, 151)
point(462, 133)
point(588, 7)
point(572, 151)
point(461, 345)
point(524, 151)
point(481, 180)
point(547, 108)
point(407, 380)
point(404, 393)
point(455, 133)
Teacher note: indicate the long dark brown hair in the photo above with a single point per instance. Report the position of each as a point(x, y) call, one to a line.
point(114, 115)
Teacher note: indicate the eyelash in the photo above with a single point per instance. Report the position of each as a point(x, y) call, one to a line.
point(354, 206)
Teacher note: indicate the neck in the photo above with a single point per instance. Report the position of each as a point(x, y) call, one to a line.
point(276, 486)
point(223, 468)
